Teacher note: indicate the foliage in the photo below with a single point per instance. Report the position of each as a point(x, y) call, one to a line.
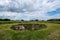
point(53, 20)
point(4, 19)
point(22, 20)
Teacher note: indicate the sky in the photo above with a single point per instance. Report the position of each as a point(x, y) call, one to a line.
point(30, 9)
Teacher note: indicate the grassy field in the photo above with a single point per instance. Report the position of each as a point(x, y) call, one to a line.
point(52, 32)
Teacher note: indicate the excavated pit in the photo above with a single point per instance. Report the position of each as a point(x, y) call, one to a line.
point(30, 27)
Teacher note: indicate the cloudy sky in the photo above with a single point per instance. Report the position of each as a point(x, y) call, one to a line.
point(29, 9)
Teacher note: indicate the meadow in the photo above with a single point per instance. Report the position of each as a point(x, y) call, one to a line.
point(52, 32)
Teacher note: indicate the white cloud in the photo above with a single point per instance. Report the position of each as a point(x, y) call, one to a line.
point(31, 9)
point(55, 16)
point(7, 14)
point(4, 2)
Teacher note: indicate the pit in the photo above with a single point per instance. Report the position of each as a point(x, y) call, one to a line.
point(29, 27)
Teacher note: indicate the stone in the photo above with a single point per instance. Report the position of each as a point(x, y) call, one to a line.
point(30, 27)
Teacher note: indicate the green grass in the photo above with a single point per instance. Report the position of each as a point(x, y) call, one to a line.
point(8, 34)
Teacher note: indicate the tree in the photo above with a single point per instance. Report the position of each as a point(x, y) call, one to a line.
point(22, 20)
point(53, 20)
point(4, 19)
point(36, 20)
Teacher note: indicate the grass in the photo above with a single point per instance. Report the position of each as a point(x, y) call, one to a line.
point(53, 29)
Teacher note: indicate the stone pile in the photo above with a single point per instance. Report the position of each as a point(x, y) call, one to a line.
point(23, 27)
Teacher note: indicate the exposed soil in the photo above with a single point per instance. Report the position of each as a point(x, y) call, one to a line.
point(23, 27)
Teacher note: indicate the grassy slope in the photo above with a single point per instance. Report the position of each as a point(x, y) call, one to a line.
point(7, 34)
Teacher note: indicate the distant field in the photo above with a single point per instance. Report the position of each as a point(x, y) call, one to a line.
point(52, 32)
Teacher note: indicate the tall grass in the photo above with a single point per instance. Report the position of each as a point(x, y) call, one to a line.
point(44, 34)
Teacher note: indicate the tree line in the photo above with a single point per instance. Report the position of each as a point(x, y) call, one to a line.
point(4, 19)
point(31, 20)
point(53, 20)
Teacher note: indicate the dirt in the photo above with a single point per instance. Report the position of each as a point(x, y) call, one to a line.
point(23, 27)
